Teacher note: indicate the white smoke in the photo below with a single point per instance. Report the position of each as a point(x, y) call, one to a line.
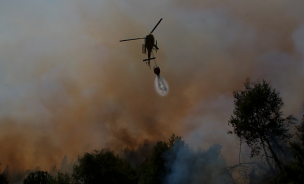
point(188, 166)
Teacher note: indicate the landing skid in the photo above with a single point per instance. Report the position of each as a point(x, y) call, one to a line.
point(148, 59)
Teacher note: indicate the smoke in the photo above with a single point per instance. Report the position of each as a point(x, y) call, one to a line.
point(188, 166)
point(68, 85)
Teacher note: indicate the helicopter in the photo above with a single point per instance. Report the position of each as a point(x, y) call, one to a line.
point(148, 45)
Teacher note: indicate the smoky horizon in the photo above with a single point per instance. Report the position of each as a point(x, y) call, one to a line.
point(68, 86)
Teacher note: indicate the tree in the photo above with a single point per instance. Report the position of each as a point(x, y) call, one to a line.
point(294, 171)
point(39, 177)
point(297, 148)
point(63, 178)
point(103, 167)
point(3, 178)
point(257, 119)
point(153, 170)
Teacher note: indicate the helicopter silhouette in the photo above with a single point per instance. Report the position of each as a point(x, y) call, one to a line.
point(149, 43)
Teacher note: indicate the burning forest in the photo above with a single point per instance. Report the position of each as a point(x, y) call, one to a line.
point(75, 102)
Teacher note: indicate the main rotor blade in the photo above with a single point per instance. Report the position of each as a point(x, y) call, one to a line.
point(156, 25)
point(131, 39)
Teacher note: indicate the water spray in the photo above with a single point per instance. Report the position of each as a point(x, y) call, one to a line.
point(161, 85)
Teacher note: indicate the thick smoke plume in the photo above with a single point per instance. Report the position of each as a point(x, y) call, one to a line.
point(68, 85)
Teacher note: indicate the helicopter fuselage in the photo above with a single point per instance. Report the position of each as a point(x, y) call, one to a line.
point(149, 41)
point(149, 44)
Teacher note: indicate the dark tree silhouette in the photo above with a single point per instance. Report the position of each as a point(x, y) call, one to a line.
point(39, 177)
point(153, 170)
point(297, 148)
point(3, 178)
point(294, 171)
point(63, 178)
point(257, 119)
point(103, 167)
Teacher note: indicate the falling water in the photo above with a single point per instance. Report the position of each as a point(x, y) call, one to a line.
point(161, 85)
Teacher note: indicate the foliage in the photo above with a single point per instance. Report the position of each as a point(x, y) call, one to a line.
point(153, 170)
point(3, 178)
point(173, 139)
point(294, 172)
point(257, 119)
point(103, 167)
point(248, 172)
point(39, 177)
point(62, 178)
point(297, 148)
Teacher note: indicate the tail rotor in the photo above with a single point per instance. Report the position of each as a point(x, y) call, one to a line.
point(156, 48)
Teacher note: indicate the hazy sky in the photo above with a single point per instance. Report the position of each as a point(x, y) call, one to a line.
point(67, 85)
